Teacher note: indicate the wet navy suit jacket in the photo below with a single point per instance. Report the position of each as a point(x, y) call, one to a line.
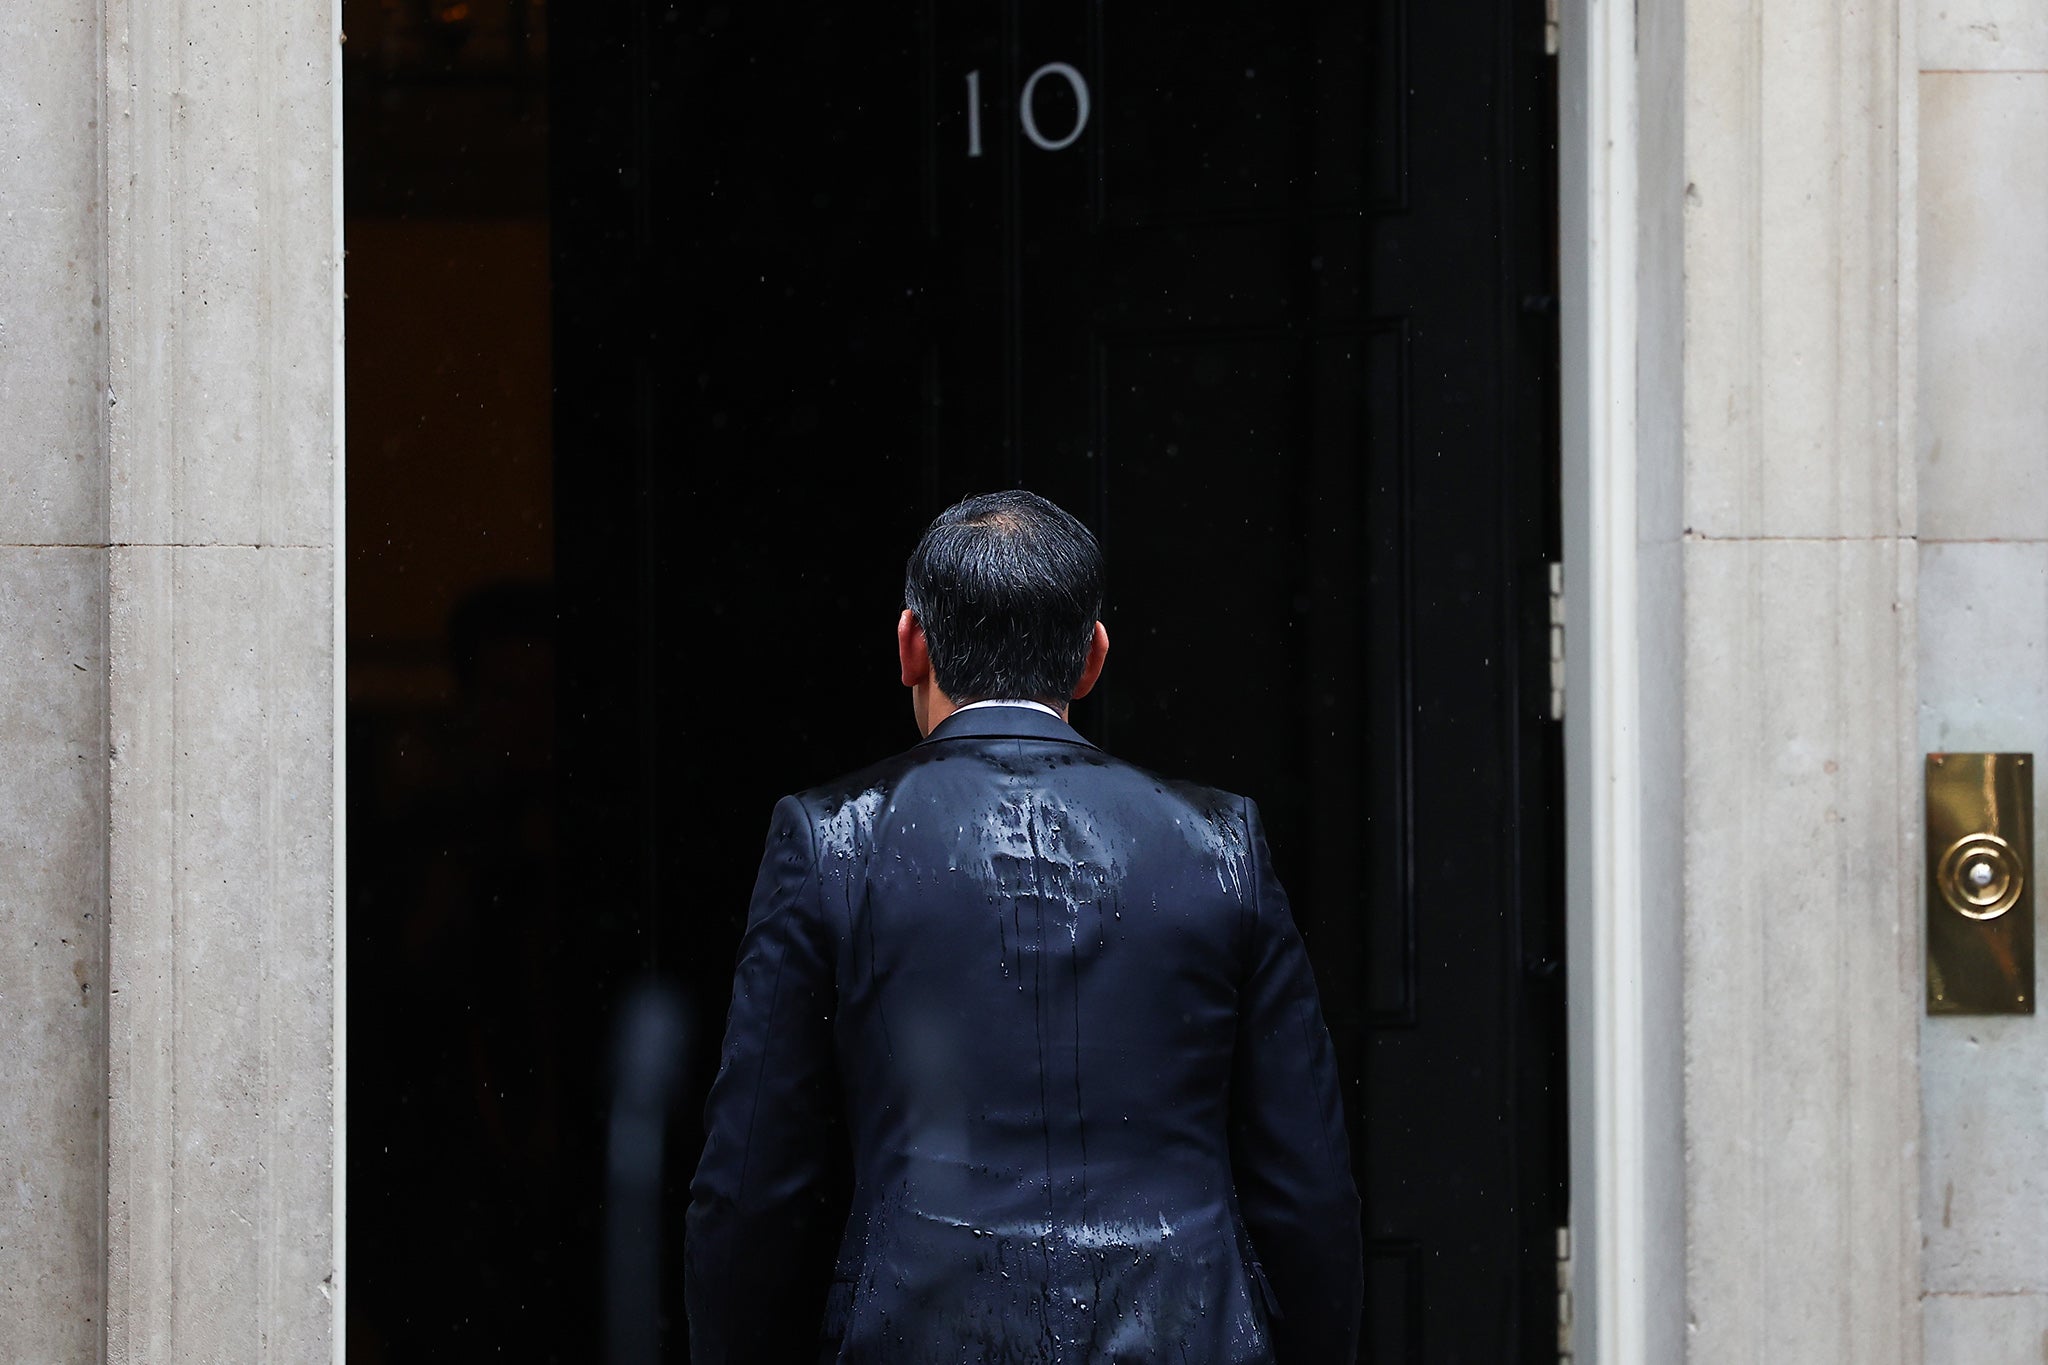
point(1050, 1016)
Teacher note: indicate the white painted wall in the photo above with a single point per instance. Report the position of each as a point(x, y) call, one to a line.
point(1983, 657)
point(1621, 272)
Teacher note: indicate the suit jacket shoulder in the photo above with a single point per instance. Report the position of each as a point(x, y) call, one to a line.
point(849, 814)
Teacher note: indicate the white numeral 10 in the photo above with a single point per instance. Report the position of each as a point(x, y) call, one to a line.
point(1026, 115)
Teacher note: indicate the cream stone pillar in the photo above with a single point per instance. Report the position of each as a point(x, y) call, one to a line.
point(169, 485)
point(1799, 787)
point(1742, 759)
point(223, 393)
point(53, 686)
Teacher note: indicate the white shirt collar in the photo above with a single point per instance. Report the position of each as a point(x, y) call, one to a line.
point(1011, 701)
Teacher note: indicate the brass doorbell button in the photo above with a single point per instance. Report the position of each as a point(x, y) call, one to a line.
point(1980, 877)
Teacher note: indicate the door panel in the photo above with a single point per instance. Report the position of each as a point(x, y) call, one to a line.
point(1276, 323)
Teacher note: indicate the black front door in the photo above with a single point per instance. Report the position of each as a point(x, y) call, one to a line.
point(1261, 291)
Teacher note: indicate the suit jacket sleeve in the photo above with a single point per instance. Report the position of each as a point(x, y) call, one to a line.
point(763, 1220)
point(1289, 1156)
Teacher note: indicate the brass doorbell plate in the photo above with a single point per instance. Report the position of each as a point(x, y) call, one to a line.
point(1980, 896)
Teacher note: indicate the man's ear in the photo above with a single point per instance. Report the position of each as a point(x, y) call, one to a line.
point(1098, 650)
point(911, 652)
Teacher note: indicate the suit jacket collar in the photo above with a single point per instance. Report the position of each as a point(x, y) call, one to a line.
point(1004, 722)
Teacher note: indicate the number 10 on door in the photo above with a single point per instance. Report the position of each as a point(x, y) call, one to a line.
point(1027, 115)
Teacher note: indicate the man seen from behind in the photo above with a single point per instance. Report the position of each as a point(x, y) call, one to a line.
point(1046, 1014)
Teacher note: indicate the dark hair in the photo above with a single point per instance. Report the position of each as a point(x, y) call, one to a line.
point(1008, 588)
